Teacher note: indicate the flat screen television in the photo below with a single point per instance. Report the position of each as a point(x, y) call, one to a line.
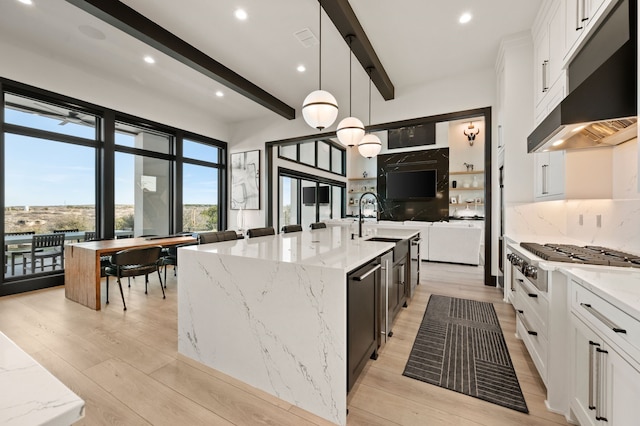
point(323, 195)
point(411, 185)
point(309, 195)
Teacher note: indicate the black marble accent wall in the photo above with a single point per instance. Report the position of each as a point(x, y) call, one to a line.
point(432, 209)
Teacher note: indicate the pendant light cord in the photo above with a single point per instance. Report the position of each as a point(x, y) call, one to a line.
point(350, 79)
point(320, 48)
point(369, 70)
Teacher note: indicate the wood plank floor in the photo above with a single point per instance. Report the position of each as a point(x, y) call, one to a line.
point(126, 367)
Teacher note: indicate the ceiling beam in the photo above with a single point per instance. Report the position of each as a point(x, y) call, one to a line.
point(346, 21)
point(138, 26)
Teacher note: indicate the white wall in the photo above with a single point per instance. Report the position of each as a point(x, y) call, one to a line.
point(51, 73)
point(456, 93)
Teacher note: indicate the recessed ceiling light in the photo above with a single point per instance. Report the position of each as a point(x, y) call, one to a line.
point(219, 93)
point(301, 68)
point(29, 2)
point(241, 14)
point(464, 18)
point(148, 59)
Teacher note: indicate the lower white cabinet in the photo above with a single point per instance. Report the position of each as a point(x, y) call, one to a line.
point(605, 379)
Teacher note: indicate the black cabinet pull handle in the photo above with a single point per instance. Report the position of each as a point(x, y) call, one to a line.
point(524, 323)
point(366, 274)
point(532, 295)
point(606, 321)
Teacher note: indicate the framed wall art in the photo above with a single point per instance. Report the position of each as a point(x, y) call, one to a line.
point(245, 180)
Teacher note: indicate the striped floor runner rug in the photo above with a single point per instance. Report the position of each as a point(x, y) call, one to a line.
point(460, 347)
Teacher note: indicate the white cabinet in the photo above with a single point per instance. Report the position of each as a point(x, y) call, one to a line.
point(581, 17)
point(605, 375)
point(549, 175)
point(605, 385)
point(549, 76)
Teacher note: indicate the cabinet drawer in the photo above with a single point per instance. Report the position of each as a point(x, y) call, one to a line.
point(537, 345)
point(607, 318)
point(532, 300)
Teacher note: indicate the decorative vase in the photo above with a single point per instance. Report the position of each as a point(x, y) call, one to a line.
point(474, 183)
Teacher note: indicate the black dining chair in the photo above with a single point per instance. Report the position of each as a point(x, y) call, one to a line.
point(318, 225)
point(89, 235)
point(44, 246)
point(14, 253)
point(170, 258)
point(216, 236)
point(291, 228)
point(261, 232)
point(64, 231)
point(134, 262)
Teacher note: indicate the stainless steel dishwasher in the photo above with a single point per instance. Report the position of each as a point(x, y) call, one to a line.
point(362, 325)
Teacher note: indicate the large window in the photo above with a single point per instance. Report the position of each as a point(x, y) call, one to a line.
point(84, 171)
point(323, 154)
point(49, 182)
point(201, 186)
point(305, 199)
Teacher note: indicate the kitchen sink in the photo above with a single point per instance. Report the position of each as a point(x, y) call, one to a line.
point(384, 239)
point(400, 249)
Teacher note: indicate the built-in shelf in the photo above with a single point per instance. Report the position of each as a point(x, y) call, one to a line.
point(477, 188)
point(367, 178)
point(466, 202)
point(475, 172)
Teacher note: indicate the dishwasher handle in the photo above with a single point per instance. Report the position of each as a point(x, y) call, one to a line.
point(366, 274)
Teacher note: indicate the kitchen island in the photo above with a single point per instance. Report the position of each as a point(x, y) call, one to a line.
point(272, 311)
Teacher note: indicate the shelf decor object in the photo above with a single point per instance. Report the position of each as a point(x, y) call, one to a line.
point(245, 180)
point(320, 108)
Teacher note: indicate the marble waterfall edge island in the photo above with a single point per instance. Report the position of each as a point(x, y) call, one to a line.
point(272, 311)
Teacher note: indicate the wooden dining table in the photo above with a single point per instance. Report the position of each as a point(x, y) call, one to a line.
point(82, 264)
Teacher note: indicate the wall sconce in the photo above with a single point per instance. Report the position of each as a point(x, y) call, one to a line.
point(471, 136)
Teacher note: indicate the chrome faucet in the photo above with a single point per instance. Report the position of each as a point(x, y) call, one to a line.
point(360, 210)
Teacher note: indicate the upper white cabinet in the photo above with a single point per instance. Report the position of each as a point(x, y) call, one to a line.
point(581, 16)
point(549, 176)
point(549, 48)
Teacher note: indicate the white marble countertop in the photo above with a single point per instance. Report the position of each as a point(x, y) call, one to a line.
point(331, 247)
point(30, 395)
point(618, 286)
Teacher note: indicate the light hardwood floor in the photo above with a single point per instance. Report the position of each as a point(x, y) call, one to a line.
point(126, 367)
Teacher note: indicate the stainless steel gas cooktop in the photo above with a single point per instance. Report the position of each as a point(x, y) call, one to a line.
point(587, 255)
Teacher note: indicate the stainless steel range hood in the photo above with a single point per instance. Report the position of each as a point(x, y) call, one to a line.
point(601, 107)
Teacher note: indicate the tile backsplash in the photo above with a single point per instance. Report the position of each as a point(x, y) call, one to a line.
point(611, 223)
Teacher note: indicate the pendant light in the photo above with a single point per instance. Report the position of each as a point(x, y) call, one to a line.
point(320, 108)
point(370, 144)
point(350, 129)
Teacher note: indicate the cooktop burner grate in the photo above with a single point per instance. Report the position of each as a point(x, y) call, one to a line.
point(588, 255)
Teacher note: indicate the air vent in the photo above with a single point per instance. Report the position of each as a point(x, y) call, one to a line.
point(306, 37)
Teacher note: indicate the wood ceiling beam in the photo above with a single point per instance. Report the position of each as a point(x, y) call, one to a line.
point(140, 27)
point(346, 21)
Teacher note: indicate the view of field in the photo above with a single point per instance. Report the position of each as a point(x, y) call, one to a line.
point(44, 219)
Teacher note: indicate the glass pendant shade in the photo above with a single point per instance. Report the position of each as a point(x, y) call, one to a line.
point(370, 145)
point(350, 131)
point(320, 109)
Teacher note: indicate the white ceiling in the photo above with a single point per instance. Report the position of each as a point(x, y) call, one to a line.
point(417, 41)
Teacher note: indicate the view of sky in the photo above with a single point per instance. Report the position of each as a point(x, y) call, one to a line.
point(40, 172)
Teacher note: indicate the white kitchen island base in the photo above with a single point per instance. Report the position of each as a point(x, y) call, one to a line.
point(272, 312)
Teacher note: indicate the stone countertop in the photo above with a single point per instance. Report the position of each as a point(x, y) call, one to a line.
point(30, 395)
point(331, 247)
point(618, 286)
